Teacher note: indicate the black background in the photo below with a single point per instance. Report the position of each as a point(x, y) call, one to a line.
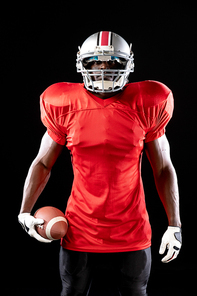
point(39, 41)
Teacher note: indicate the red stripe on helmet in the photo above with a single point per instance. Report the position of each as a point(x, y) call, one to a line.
point(105, 38)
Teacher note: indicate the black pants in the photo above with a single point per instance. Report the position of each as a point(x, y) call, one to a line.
point(132, 270)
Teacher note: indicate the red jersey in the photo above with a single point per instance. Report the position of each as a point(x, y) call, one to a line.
point(106, 209)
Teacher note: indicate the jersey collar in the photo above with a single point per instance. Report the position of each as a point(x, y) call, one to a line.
point(105, 102)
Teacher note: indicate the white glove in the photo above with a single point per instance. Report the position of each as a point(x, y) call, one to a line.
point(171, 240)
point(28, 223)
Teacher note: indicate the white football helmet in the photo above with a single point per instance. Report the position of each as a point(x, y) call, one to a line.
point(105, 46)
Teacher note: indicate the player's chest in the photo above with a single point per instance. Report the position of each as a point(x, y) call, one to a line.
point(104, 126)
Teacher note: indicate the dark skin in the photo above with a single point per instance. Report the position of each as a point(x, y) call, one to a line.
point(99, 65)
point(158, 153)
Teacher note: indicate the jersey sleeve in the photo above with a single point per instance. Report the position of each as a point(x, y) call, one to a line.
point(51, 118)
point(158, 117)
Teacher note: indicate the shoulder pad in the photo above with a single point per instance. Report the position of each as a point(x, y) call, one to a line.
point(153, 92)
point(58, 94)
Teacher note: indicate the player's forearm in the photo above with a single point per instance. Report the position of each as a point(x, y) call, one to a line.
point(167, 187)
point(35, 182)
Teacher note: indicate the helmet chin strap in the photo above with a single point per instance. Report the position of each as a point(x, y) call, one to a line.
point(106, 85)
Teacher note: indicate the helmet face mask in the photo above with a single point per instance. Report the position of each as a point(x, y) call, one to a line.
point(105, 47)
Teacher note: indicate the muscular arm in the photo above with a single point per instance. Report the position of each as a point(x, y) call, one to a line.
point(158, 153)
point(39, 172)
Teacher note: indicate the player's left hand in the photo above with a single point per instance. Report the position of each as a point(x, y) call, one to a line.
point(171, 240)
point(28, 223)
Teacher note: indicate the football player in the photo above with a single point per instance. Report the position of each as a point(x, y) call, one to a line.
point(107, 123)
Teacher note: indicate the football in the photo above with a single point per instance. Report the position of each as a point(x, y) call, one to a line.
point(55, 224)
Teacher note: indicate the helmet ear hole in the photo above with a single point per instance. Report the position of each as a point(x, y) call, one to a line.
point(105, 46)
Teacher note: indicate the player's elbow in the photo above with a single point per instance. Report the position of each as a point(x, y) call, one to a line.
point(165, 174)
point(45, 166)
point(41, 165)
